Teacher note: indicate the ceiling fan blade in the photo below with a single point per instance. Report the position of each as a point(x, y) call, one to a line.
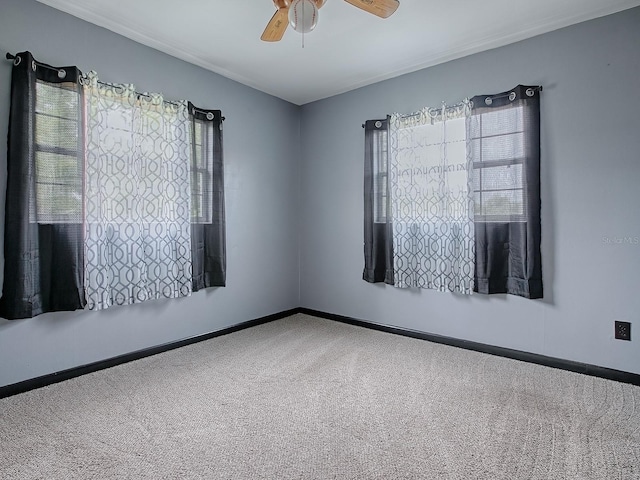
point(381, 8)
point(276, 26)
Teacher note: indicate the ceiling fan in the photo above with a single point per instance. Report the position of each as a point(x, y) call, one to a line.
point(302, 15)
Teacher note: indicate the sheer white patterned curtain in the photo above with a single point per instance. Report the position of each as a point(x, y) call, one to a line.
point(138, 196)
point(431, 194)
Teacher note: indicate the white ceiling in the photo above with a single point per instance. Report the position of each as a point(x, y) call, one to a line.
point(348, 49)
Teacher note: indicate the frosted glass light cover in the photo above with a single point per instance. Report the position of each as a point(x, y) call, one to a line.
point(303, 15)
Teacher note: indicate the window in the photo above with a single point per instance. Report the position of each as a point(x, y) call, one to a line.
point(431, 165)
point(202, 171)
point(380, 192)
point(99, 194)
point(437, 168)
point(58, 147)
point(497, 143)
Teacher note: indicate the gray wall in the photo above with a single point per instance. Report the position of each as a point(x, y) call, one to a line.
point(590, 197)
point(282, 194)
point(261, 198)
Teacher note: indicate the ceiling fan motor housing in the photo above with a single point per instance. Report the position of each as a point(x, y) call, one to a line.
point(286, 3)
point(303, 15)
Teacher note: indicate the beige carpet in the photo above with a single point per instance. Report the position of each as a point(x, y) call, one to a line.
point(307, 398)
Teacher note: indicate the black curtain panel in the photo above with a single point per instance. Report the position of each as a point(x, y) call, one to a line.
point(378, 233)
point(505, 145)
point(43, 243)
point(208, 231)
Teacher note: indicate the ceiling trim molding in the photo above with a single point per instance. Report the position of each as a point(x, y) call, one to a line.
point(145, 39)
point(487, 43)
point(553, 22)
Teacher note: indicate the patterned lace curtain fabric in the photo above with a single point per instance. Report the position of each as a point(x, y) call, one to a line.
point(138, 196)
point(431, 194)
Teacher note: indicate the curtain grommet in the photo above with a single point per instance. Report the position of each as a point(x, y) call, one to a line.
point(530, 92)
point(378, 124)
point(210, 116)
point(512, 96)
point(488, 100)
point(62, 73)
point(17, 60)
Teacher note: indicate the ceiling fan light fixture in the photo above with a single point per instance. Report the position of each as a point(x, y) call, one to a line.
point(303, 15)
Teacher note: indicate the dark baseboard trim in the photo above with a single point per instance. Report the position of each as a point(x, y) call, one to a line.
point(43, 381)
point(584, 368)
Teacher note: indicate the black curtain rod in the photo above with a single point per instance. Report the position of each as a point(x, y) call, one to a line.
point(506, 94)
point(10, 56)
point(40, 64)
point(538, 88)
